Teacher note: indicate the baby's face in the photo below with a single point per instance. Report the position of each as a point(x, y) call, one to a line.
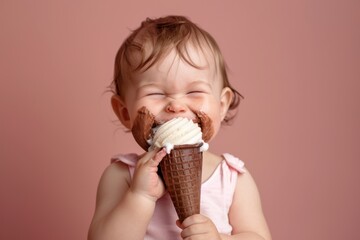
point(173, 88)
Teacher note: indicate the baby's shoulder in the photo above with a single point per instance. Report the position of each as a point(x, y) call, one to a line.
point(117, 171)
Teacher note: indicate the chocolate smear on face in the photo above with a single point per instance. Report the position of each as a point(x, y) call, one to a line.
point(145, 121)
point(141, 129)
point(205, 125)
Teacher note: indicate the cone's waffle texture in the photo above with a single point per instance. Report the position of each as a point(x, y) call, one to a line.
point(181, 172)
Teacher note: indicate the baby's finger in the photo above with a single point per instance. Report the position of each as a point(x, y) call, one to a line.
point(158, 157)
point(194, 219)
point(178, 223)
point(147, 156)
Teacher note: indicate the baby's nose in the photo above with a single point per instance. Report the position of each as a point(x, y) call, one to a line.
point(175, 107)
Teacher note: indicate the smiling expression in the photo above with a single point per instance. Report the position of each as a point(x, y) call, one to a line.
point(173, 88)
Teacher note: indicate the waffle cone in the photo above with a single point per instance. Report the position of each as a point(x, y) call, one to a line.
point(181, 172)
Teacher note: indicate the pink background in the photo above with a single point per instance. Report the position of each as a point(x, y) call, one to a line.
point(296, 62)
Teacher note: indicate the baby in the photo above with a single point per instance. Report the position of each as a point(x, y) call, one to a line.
point(168, 68)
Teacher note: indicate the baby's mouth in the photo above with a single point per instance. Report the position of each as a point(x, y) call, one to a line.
point(145, 123)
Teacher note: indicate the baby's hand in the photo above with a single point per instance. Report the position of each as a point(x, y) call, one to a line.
point(198, 227)
point(146, 181)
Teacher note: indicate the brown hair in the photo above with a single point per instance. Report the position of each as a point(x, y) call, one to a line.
point(160, 36)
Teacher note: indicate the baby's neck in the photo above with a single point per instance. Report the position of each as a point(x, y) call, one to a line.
point(210, 163)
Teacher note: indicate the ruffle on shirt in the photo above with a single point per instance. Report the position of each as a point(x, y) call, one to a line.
point(130, 159)
point(234, 162)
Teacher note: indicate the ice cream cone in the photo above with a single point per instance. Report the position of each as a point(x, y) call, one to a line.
point(181, 172)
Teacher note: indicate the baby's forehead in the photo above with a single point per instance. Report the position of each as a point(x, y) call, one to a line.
point(194, 58)
point(175, 72)
point(199, 55)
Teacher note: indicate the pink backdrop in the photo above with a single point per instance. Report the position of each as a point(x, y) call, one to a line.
point(296, 62)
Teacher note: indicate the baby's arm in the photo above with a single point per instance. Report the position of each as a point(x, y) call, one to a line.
point(124, 208)
point(246, 215)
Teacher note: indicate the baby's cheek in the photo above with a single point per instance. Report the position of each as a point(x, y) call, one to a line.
point(198, 105)
point(153, 107)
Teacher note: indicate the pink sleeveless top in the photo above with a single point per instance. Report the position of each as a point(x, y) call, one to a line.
point(216, 198)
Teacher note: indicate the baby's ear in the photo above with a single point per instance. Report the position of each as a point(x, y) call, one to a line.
point(225, 101)
point(121, 110)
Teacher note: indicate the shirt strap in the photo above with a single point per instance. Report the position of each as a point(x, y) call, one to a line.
point(234, 162)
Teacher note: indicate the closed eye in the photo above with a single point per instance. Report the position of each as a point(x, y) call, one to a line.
point(196, 92)
point(155, 94)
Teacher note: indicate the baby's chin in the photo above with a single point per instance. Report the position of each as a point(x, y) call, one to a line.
point(145, 121)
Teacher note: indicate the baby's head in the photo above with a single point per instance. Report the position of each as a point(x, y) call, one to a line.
point(154, 40)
